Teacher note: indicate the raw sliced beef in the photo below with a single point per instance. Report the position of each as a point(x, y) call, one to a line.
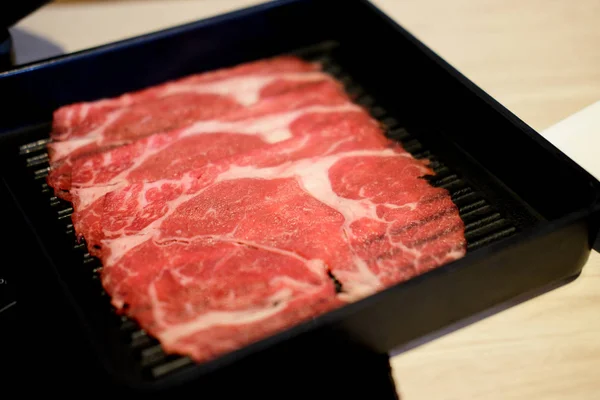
point(358, 210)
point(208, 297)
point(327, 92)
point(333, 126)
point(173, 153)
point(76, 120)
point(174, 111)
point(169, 107)
point(230, 205)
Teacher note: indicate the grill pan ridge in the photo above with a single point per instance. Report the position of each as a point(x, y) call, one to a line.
point(492, 213)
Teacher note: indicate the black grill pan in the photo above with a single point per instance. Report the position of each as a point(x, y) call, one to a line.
point(531, 214)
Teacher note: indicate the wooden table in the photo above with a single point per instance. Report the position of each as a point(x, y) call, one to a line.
point(541, 59)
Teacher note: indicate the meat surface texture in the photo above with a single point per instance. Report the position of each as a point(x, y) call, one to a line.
point(243, 84)
point(237, 224)
point(86, 129)
point(170, 154)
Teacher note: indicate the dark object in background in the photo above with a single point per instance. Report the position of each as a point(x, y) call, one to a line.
point(29, 47)
point(10, 14)
point(13, 11)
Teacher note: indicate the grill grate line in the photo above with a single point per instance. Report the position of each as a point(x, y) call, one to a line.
point(37, 160)
point(445, 180)
point(412, 145)
point(399, 134)
point(171, 366)
point(482, 221)
point(152, 358)
point(472, 206)
point(477, 212)
point(485, 230)
point(491, 238)
point(389, 122)
point(462, 194)
point(38, 145)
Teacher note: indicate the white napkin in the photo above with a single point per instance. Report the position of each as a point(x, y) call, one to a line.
point(578, 136)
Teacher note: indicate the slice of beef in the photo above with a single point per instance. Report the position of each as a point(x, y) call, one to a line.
point(336, 124)
point(206, 297)
point(84, 129)
point(355, 207)
point(105, 167)
point(176, 109)
point(245, 82)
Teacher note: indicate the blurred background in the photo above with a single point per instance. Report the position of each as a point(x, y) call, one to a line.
point(540, 59)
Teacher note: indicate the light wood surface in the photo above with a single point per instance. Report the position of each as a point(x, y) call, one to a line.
point(541, 59)
point(546, 348)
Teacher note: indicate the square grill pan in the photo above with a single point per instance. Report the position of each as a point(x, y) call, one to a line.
point(531, 214)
